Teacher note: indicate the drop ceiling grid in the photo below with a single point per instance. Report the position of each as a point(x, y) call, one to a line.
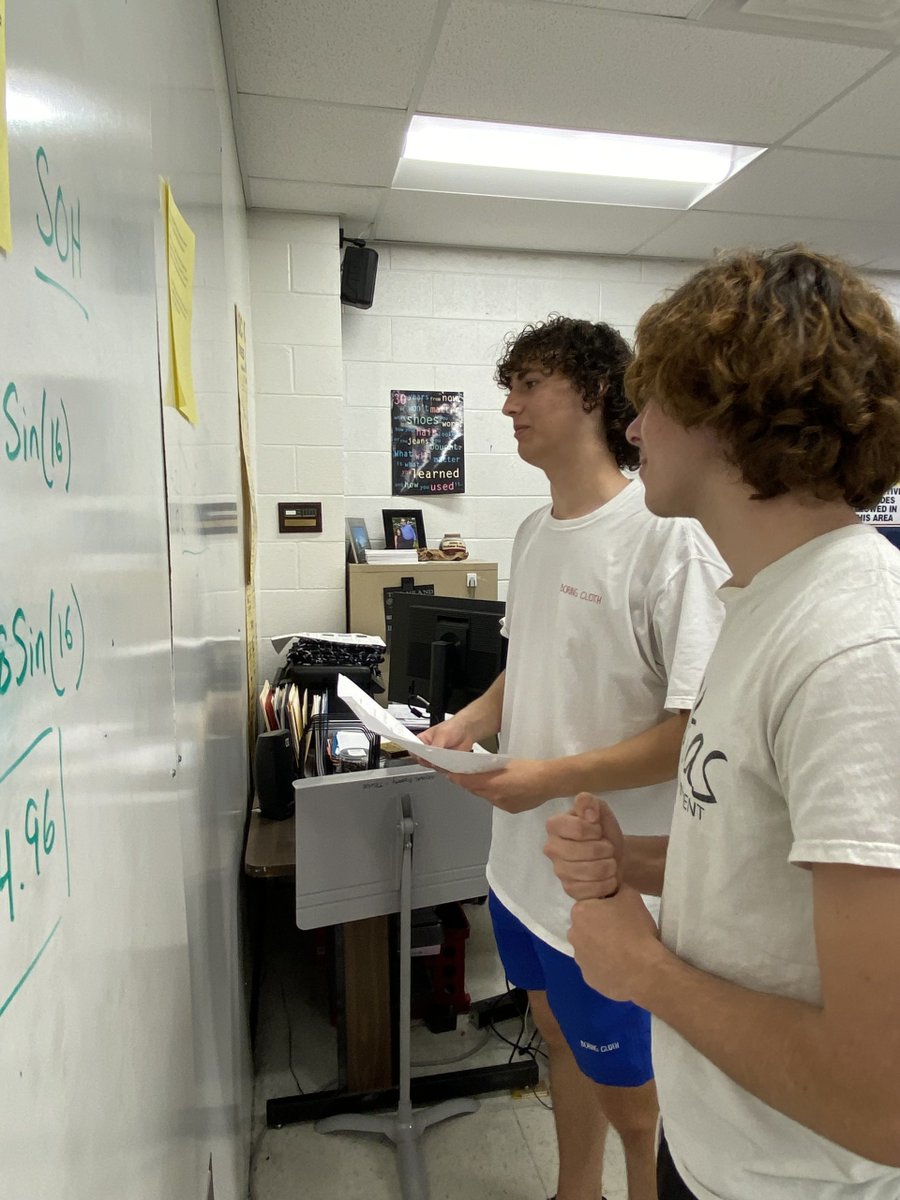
point(354, 204)
point(864, 121)
point(329, 49)
point(657, 8)
point(812, 183)
point(699, 234)
point(573, 64)
point(320, 143)
point(523, 225)
point(553, 64)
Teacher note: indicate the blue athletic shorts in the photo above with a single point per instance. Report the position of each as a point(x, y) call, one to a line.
point(610, 1039)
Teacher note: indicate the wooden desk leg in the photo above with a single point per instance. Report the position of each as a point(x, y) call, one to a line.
point(367, 989)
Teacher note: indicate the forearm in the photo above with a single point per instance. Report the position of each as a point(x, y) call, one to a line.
point(482, 717)
point(648, 758)
point(644, 864)
point(835, 1081)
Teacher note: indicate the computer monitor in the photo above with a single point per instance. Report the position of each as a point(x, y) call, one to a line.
point(446, 650)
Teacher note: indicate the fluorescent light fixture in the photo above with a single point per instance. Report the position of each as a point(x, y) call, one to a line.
point(480, 158)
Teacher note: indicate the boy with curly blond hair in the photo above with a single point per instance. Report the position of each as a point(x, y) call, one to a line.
point(768, 391)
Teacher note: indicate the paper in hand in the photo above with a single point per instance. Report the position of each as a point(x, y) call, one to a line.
point(378, 720)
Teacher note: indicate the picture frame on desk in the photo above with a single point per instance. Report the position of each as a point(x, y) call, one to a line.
point(357, 539)
point(404, 528)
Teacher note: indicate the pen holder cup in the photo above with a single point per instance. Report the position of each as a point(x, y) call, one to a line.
point(274, 775)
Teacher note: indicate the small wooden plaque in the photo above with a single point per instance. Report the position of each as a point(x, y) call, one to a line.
point(294, 517)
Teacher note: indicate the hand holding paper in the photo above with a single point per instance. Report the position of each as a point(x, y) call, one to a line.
point(378, 720)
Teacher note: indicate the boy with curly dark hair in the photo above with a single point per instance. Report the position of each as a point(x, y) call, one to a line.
point(769, 394)
point(611, 615)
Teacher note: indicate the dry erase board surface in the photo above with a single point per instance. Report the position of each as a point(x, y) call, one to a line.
point(122, 1049)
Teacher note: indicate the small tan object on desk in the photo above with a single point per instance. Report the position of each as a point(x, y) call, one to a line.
point(451, 549)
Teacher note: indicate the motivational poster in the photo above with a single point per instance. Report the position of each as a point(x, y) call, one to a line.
point(427, 451)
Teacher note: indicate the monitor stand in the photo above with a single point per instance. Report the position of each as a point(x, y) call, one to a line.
point(405, 1127)
point(439, 679)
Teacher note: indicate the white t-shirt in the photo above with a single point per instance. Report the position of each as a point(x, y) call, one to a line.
point(611, 619)
point(792, 755)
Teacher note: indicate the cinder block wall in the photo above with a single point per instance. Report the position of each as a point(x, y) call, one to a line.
point(300, 428)
point(324, 374)
point(438, 322)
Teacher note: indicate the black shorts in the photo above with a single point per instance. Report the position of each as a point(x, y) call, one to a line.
point(669, 1183)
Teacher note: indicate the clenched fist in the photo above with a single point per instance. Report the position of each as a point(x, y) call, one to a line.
point(586, 847)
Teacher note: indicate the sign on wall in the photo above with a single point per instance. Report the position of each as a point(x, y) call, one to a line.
point(885, 516)
point(427, 448)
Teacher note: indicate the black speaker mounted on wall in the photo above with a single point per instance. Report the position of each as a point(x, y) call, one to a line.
point(358, 268)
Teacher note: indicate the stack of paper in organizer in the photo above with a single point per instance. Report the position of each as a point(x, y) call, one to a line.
point(413, 719)
point(378, 720)
point(286, 707)
point(391, 557)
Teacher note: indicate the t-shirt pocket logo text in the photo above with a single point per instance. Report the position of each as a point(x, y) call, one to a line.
point(568, 589)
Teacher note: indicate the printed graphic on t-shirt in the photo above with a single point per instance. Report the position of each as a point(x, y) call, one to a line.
point(696, 777)
point(572, 589)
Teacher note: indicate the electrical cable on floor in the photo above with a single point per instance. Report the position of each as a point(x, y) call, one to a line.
point(517, 1047)
point(446, 1062)
point(536, 1038)
point(534, 1050)
point(290, 1034)
point(543, 1103)
point(528, 1050)
point(255, 1147)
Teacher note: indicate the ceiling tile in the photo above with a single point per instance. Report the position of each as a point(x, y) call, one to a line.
point(811, 183)
point(700, 234)
point(864, 120)
point(319, 50)
point(889, 261)
point(288, 195)
point(516, 224)
point(325, 143)
point(585, 68)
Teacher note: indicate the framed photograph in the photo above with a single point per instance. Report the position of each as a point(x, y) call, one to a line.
point(404, 528)
point(357, 539)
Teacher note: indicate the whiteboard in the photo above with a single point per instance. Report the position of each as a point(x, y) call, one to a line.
point(122, 714)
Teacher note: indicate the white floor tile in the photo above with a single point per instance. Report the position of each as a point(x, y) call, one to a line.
point(540, 1136)
point(482, 1156)
point(296, 1163)
point(505, 1151)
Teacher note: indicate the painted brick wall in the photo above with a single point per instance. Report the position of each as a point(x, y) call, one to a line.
point(438, 322)
point(295, 285)
point(324, 374)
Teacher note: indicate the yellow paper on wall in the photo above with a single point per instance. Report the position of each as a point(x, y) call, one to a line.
point(249, 507)
point(5, 214)
point(240, 330)
point(180, 247)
